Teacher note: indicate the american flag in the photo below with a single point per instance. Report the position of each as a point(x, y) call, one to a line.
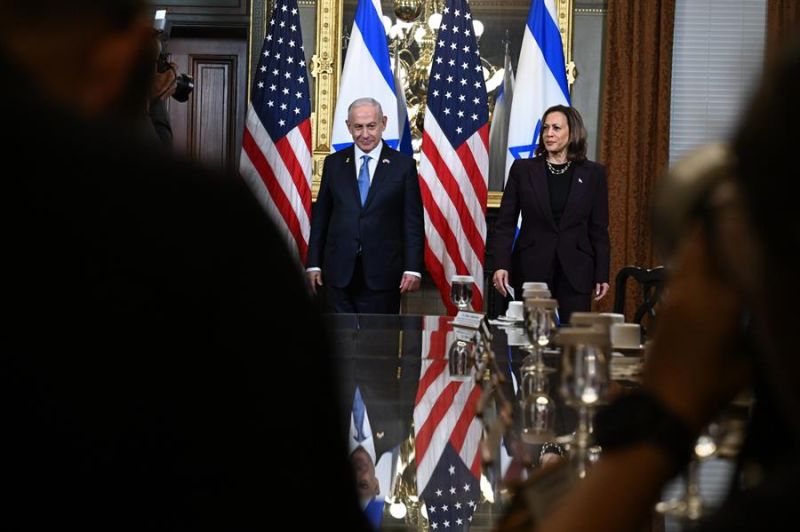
point(447, 439)
point(276, 146)
point(454, 163)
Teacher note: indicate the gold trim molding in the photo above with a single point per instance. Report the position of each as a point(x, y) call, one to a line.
point(590, 10)
point(326, 67)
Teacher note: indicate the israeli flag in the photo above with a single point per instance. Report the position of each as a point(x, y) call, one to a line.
point(367, 72)
point(541, 81)
point(498, 134)
point(402, 114)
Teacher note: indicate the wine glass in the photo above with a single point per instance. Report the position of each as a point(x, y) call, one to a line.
point(461, 291)
point(538, 408)
point(541, 325)
point(460, 359)
point(584, 381)
point(722, 436)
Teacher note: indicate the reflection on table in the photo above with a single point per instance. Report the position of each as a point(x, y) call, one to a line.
point(435, 462)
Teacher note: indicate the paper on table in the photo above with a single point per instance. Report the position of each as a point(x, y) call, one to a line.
point(510, 291)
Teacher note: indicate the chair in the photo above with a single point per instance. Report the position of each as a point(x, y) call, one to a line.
point(651, 283)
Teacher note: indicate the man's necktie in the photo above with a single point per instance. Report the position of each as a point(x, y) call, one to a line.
point(358, 414)
point(363, 178)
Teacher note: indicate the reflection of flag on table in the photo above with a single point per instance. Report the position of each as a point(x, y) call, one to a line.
point(454, 158)
point(447, 434)
point(276, 145)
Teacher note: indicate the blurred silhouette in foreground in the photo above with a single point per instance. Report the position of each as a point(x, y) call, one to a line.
point(729, 323)
point(140, 347)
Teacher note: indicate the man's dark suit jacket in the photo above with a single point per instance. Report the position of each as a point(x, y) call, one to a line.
point(368, 358)
point(388, 229)
point(141, 347)
point(580, 241)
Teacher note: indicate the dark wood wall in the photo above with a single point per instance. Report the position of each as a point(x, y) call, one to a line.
point(208, 40)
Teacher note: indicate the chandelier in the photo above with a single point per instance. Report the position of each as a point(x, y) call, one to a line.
point(412, 41)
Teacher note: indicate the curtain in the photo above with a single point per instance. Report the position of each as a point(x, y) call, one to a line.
point(783, 21)
point(634, 130)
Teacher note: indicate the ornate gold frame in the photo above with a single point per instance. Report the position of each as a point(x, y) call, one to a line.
point(326, 65)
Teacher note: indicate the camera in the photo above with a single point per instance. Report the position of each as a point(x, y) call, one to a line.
point(184, 82)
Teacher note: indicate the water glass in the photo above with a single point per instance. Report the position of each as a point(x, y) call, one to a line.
point(461, 291)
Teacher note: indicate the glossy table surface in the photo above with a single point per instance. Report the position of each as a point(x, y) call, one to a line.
point(435, 462)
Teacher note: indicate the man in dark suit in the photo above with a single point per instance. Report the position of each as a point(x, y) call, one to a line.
point(139, 339)
point(367, 227)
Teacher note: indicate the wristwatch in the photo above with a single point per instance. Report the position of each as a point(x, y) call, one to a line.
point(641, 417)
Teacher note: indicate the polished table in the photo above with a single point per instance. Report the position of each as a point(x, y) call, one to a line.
point(424, 423)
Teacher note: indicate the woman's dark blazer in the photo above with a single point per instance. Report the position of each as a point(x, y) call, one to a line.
point(580, 241)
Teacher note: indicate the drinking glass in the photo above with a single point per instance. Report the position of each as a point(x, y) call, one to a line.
point(460, 359)
point(541, 326)
point(584, 382)
point(722, 436)
point(461, 291)
point(538, 408)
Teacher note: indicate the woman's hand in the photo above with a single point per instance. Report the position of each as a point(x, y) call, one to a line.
point(500, 281)
point(600, 291)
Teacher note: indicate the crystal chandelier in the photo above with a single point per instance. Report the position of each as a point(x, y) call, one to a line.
point(412, 41)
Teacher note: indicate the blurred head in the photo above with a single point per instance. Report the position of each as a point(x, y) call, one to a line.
point(562, 129)
point(94, 56)
point(765, 148)
point(366, 122)
point(367, 484)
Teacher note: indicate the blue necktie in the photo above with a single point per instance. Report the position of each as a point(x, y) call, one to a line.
point(363, 178)
point(358, 414)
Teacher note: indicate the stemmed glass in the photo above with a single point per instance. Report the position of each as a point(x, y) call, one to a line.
point(460, 359)
point(584, 381)
point(724, 434)
point(689, 507)
point(461, 291)
point(538, 408)
point(541, 326)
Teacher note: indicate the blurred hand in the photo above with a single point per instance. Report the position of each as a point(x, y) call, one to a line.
point(314, 280)
point(409, 283)
point(165, 83)
point(600, 290)
point(500, 280)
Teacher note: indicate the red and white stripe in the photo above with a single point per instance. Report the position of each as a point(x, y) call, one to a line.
point(444, 409)
point(453, 182)
point(279, 174)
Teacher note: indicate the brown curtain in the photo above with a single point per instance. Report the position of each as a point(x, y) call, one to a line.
point(634, 130)
point(783, 21)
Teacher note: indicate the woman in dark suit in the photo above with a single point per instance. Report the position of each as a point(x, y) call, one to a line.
point(563, 199)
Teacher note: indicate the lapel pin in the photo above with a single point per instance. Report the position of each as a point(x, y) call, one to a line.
point(580, 180)
point(385, 161)
point(379, 435)
point(347, 160)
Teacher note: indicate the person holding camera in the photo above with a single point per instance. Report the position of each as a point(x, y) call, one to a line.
point(164, 86)
point(166, 83)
